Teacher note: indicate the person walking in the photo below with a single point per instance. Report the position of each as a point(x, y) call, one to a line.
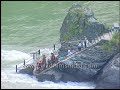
point(52, 58)
point(87, 43)
point(49, 63)
point(39, 65)
point(69, 53)
point(44, 61)
point(79, 46)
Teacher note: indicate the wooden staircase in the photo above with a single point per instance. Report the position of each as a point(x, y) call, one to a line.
point(67, 58)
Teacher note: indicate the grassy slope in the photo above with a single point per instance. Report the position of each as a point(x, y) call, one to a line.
point(38, 23)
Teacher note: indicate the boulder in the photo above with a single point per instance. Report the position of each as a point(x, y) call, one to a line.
point(50, 75)
point(79, 23)
point(84, 66)
point(109, 78)
point(55, 76)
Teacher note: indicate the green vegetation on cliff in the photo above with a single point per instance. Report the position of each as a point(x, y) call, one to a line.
point(115, 41)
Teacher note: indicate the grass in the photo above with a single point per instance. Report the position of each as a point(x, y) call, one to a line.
point(37, 23)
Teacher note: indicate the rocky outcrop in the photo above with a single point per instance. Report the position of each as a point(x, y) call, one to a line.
point(89, 65)
point(110, 76)
point(56, 76)
point(79, 23)
point(89, 62)
point(82, 67)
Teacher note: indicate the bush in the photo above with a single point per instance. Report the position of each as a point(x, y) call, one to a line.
point(115, 41)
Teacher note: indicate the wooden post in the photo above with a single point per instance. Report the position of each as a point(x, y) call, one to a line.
point(24, 62)
point(54, 46)
point(16, 68)
point(39, 51)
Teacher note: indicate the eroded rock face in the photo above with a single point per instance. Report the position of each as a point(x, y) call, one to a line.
point(51, 75)
point(89, 62)
point(79, 23)
point(56, 76)
point(110, 76)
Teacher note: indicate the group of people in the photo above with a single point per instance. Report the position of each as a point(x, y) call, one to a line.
point(44, 63)
point(81, 45)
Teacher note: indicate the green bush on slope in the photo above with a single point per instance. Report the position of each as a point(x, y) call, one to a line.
point(115, 41)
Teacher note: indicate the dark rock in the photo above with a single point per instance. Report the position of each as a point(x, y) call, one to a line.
point(44, 77)
point(109, 78)
point(89, 64)
point(68, 77)
point(51, 75)
point(81, 67)
point(55, 76)
point(85, 65)
point(79, 22)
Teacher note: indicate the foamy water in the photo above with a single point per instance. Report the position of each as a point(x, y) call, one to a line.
point(11, 79)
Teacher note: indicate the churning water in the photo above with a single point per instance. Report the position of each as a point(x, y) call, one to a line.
point(11, 79)
point(27, 27)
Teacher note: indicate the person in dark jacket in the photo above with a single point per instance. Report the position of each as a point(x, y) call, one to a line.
point(79, 46)
point(52, 58)
point(44, 61)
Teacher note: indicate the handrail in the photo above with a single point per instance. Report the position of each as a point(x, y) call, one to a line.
point(21, 65)
point(96, 40)
point(60, 61)
point(69, 56)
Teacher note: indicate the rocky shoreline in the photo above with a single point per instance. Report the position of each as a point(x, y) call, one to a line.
point(93, 72)
point(92, 64)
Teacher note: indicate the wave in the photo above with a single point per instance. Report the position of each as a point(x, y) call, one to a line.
point(13, 55)
point(14, 79)
point(11, 79)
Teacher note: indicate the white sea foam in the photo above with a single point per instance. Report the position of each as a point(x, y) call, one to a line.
point(11, 79)
point(13, 55)
point(14, 78)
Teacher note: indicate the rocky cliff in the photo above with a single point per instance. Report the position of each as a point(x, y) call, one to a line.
point(109, 78)
point(79, 23)
point(82, 67)
point(89, 65)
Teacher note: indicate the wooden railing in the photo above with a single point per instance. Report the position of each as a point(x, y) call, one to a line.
point(67, 58)
point(96, 40)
